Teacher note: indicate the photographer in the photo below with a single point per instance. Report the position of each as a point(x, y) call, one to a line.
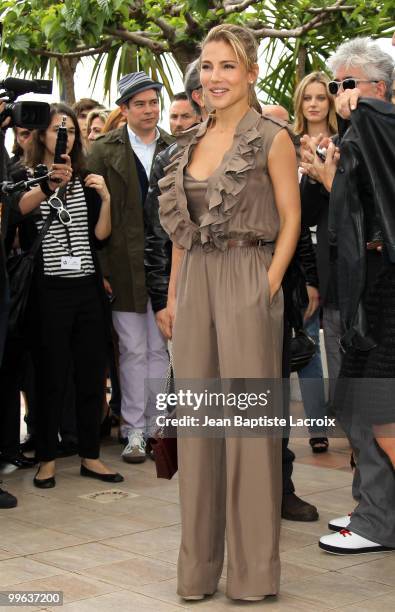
point(6, 499)
point(65, 320)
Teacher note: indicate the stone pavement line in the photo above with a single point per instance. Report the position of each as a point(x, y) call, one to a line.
point(124, 553)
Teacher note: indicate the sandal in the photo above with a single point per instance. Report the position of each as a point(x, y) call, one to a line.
point(319, 445)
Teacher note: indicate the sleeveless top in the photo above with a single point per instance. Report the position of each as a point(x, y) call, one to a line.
point(239, 196)
point(195, 192)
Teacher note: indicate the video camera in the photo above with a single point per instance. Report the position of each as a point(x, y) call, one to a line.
point(27, 114)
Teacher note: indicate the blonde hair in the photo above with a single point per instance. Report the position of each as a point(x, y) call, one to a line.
point(245, 48)
point(100, 113)
point(300, 122)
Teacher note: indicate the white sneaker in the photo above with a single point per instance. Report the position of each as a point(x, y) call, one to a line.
point(134, 451)
point(346, 542)
point(339, 523)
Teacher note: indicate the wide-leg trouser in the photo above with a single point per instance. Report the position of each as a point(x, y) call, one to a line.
point(225, 327)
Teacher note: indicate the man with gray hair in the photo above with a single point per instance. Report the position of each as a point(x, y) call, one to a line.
point(359, 177)
point(361, 68)
point(193, 87)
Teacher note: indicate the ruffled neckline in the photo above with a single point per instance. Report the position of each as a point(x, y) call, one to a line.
point(226, 183)
point(224, 187)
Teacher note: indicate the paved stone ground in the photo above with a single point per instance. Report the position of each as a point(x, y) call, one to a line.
point(122, 554)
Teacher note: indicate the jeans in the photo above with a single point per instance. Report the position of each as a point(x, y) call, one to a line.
point(311, 378)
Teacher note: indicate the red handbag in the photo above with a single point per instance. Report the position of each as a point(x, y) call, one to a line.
point(165, 455)
point(165, 448)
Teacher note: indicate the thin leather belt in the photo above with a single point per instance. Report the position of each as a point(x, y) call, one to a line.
point(247, 243)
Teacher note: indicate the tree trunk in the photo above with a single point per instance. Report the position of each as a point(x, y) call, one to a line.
point(184, 54)
point(301, 68)
point(67, 68)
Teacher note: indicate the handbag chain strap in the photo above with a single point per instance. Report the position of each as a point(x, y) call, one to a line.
point(167, 389)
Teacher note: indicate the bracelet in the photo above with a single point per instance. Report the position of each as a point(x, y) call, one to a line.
point(45, 188)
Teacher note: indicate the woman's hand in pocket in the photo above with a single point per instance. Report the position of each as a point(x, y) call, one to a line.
point(274, 285)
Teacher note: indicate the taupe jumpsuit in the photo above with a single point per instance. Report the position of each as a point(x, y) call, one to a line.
point(225, 327)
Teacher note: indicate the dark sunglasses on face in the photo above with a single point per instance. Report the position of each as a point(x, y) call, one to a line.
point(349, 83)
point(63, 214)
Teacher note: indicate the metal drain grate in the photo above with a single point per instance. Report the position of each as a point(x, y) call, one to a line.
point(106, 497)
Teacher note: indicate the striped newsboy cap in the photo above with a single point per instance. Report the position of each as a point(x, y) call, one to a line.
point(133, 83)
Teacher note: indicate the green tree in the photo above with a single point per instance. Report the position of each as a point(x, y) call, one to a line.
point(44, 34)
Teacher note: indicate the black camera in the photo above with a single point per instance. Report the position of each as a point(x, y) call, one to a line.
point(27, 114)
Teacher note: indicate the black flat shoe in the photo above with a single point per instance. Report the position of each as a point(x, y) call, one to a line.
point(7, 500)
point(44, 483)
point(19, 460)
point(104, 477)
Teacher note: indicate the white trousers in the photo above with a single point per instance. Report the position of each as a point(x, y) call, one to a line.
point(142, 354)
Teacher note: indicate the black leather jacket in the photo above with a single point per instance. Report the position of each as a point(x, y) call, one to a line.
point(362, 209)
point(157, 251)
point(157, 247)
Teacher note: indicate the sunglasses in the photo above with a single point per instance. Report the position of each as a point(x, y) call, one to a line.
point(349, 83)
point(63, 214)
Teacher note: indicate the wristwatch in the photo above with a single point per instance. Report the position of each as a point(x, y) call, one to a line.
point(45, 188)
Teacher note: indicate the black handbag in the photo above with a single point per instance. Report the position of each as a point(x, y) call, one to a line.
point(303, 349)
point(20, 270)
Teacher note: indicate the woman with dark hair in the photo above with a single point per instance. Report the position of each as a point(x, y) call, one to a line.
point(67, 310)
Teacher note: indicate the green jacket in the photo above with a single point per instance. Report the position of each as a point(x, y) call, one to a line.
point(122, 259)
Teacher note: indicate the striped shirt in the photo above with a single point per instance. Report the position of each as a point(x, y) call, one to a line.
point(55, 244)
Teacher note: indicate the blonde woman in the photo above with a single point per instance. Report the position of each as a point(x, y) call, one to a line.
point(314, 107)
point(95, 124)
point(315, 117)
point(229, 197)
